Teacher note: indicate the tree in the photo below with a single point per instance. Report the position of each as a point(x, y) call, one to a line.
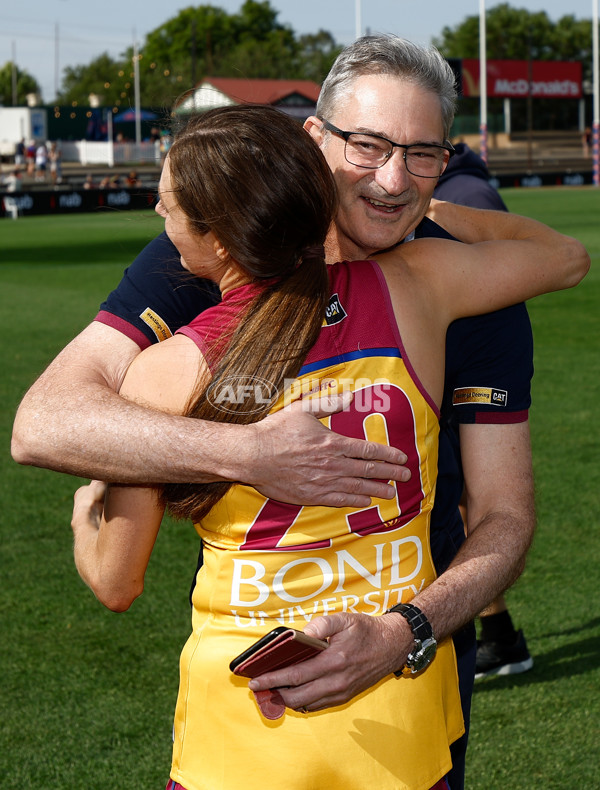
point(25, 84)
point(317, 51)
point(203, 41)
point(107, 78)
point(206, 41)
point(517, 34)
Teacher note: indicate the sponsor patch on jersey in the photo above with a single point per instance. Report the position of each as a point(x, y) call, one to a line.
point(156, 324)
point(488, 395)
point(334, 312)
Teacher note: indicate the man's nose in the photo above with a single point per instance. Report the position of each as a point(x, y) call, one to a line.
point(393, 176)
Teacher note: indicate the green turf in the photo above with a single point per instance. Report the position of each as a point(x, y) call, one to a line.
point(88, 695)
point(542, 729)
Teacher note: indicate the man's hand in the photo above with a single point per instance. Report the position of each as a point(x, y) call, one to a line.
point(303, 463)
point(362, 650)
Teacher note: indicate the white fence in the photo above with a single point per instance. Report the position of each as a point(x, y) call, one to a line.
point(94, 153)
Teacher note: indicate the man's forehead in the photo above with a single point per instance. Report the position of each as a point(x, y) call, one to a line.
point(386, 104)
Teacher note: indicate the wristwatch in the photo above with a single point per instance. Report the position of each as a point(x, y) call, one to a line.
point(423, 653)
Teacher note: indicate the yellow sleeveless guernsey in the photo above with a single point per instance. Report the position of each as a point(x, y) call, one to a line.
point(268, 564)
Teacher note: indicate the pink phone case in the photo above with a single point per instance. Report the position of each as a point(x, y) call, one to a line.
point(287, 648)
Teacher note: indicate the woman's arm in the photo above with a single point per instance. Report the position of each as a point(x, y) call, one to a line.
point(114, 529)
point(561, 261)
point(508, 259)
point(115, 526)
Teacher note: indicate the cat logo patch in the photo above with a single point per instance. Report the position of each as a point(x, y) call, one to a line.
point(487, 395)
point(156, 324)
point(334, 312)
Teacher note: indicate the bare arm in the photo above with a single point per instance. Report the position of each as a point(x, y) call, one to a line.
point(568, 262)
point(500, 503)
point(508, 259)
point(114, 531)
point(72, 420)
point(363, 649)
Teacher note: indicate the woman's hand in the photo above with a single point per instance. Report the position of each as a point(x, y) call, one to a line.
point(88, 504)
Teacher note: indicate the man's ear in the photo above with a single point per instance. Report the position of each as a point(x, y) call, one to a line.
point(315, 128)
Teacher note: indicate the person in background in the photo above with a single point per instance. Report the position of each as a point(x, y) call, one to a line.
point(132, 180)
point(20, 153)
point(41, 162)
point(30, 157)
point(586, 141)
point(501, 650)
point(89, 182)
point(55, 159)
point(13, 182)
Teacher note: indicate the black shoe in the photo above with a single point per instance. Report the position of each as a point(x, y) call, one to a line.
point(497, 658)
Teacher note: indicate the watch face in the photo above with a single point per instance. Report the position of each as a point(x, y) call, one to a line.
point(421, 657)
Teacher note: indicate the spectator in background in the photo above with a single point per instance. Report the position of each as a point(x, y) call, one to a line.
point(132, 180)
point(12, 182)
point(501, 650)
point(41, 162)
point(165, 144)
point(89, 182)
point(586, 139)
point(55, 157)
point(20, 153)
point(30, 158)
point(110, 182)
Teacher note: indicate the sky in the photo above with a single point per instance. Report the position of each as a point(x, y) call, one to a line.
point(45, 36)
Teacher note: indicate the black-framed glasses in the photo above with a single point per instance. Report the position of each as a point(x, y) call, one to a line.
point(371, 151)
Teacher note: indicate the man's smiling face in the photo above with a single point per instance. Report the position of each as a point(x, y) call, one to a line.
point(378, 208)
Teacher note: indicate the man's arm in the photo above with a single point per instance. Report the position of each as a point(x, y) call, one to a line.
point(364, 649)
point(500, 503)
point(72, 420)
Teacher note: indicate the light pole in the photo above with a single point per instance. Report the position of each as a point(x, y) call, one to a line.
point(596, 116)
point(136, 90)
point(483, 135)
point(358, 18)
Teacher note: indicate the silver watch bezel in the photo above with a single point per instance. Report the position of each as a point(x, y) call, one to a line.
point(420, 657)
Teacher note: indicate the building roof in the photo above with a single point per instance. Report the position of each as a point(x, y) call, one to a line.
point(220, 91)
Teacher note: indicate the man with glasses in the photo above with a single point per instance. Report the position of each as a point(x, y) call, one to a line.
point(382, 122)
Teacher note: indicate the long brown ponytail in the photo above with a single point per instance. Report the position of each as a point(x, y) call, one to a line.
point(257, 180)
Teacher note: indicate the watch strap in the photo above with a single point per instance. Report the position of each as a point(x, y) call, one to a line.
point(417, 620)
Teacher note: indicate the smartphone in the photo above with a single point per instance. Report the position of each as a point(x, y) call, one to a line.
point(280, 648)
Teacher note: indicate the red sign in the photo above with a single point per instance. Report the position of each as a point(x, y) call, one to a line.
point(549, 79)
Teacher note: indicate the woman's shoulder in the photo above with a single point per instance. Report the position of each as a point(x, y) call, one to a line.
point(165, 375)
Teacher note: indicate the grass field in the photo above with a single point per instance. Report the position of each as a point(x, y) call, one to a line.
point(88, 696)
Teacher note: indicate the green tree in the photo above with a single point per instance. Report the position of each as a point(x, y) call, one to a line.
point(203, 41)
point(317, 51)
point(109, 79)
point(183, 50)
point(206, 41)
point(517, 34)
point(25, 84)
